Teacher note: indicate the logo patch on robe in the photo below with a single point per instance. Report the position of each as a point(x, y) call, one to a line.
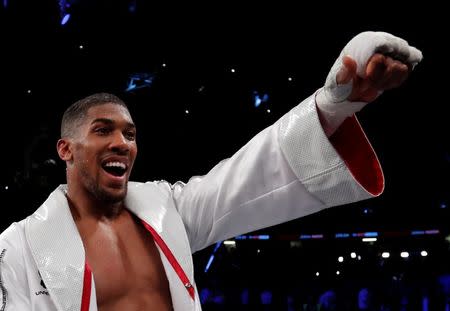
point(42, 292)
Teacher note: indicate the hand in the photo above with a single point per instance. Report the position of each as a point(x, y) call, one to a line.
point(369, 64)
point(382, 73)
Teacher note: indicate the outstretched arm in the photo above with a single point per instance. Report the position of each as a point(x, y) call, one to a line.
point(291, 169)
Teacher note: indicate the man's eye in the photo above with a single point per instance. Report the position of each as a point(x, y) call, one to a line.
point(102, 130)
point(130, 135)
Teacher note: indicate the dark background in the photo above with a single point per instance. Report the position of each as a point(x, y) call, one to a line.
point(44, 70)
point(189, 51)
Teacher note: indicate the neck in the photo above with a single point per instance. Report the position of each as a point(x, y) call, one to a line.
point(84, 205)
point(83, 209)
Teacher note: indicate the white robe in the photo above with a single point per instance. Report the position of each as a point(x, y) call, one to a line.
point(287, 171)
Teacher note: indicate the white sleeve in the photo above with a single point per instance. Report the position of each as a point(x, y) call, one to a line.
point(287, 171)
point(14, 291)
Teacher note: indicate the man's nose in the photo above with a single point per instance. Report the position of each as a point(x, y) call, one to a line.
point(119, 143)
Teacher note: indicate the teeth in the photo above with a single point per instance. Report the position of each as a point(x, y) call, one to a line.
point(116, 164)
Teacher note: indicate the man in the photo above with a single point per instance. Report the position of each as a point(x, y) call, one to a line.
point(101, 243)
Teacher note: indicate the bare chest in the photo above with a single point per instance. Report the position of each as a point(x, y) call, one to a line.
point(127, 268)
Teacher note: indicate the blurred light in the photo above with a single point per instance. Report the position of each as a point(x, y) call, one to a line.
point(364, 299)
point(164, 65)
point(81, 47)
point(259, 99)
point(268, 110)
point(218, 299)
point(326, 301)
point(295, 244)
point(132, 6)
point(245, 296)
point(404, 254)
point(258, 251)
point(340, 259)
point(311, 236)
point(443, 205)
point(385, 255)
point(353, 255)
point(369, 239)
point(337, 272)
point(232, 70)
point(421, 232)
point(342, 235)
point(64, 6)
point(424, 253)
point(205, 294)
point(139, 81)
point(50, 162)
point(317, 273)
point(241, 237)
point(211, 259)
point(368, 211)
point(29, 91)
point(365, 234)
point(229, 242)
point(266, 297)
point(447, 238)
point(253, 237)
point(186, 111)
point(444, 282)
point(65, 19)
point(370, 234)
point(359, 257)
point(5, 3)
point(425, 303)
point(6, 187)
point(435, 231)
point(289, 79)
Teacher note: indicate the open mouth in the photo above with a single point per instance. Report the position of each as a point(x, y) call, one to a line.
point(117, 169)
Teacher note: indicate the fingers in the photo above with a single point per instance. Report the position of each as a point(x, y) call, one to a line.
point(398, 74)
point(384, 72)
point(376, 69)
point(347, 72)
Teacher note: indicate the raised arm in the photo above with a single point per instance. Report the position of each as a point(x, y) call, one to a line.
point(292, 168)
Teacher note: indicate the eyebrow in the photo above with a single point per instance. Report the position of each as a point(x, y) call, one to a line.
point(109, 122)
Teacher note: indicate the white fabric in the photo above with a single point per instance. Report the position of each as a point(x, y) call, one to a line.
point(272, 179)
point(62, 272)
point(332, 98)
point(337, 186)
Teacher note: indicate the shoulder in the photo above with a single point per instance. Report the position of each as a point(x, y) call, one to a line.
point(149, 190)
point(14, 291)
point(12, 244)
point(162, 187)
point(13, 235)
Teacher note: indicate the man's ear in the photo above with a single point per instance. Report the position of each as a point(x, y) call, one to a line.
point(64, 148)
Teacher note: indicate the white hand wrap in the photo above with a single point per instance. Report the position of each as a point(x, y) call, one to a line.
point(332, 98)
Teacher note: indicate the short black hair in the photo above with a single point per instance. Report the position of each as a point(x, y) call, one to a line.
point(77, 111)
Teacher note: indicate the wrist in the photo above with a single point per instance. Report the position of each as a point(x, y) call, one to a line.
point(333, 114)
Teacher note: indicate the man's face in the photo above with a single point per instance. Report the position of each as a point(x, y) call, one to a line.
point(104, 150)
